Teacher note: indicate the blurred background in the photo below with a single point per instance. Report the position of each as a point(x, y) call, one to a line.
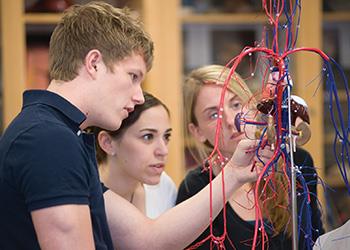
point(189, 34)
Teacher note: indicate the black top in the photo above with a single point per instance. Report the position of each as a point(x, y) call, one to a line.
point(240, 232)
point(45, 161)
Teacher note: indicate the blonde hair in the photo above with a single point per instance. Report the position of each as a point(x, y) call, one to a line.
point(96, 25)
point(276, 208)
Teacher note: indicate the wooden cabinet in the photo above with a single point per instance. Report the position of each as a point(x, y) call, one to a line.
point(164, 80)
point(13, 62)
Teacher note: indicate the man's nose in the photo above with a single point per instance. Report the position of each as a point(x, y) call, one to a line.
point(138, 98)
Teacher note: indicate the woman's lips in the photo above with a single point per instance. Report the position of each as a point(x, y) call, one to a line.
point(158, 168)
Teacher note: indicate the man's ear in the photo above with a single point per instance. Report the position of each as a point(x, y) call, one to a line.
point(92, 62)
point(105, 142)
point(196, 133)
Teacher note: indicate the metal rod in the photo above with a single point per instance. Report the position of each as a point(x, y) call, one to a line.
point(293, 176)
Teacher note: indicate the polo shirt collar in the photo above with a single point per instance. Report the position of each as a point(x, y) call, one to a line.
point(56, 101)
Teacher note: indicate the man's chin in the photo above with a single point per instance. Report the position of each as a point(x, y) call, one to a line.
point(117, 126)
point(113, 126)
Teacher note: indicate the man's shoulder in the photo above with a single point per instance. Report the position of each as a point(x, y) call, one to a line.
point(36, 131)
point(37, 137)
point(36, 119)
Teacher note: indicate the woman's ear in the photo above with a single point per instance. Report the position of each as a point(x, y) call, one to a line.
point(92, 60)
point(105, 142)
point(196, 132)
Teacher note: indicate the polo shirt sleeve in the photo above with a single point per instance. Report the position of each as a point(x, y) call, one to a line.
point(50, 167)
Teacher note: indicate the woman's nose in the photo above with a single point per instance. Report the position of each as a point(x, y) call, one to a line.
point(229, 118)
point(162, 149)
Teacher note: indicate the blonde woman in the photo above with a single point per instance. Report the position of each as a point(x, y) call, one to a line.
point(202, 92)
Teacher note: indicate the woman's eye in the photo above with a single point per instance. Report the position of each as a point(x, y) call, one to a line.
point(167, 137)
point(147, 137)
point(237, 105)
point(214, 115)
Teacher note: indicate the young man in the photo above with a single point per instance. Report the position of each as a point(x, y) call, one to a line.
point(51, 197)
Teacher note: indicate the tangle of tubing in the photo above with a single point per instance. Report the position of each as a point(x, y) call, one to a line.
point(274, 10)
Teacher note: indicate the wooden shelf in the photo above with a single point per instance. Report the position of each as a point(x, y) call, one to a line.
point(334, 178)
point(329, 138)
point(337, 16)
point(335, 182)
point(42, 18)
point(223, 18)
point(250, 18)
point(341, 94)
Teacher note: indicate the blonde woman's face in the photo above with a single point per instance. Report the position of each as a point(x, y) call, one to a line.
point(206, 111)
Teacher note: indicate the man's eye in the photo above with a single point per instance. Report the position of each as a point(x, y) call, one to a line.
point(134, 77)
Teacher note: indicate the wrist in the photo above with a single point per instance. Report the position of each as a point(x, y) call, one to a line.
point(232, 175)
point(241, 175)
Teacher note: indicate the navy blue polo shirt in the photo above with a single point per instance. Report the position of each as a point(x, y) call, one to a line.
point(45, 161)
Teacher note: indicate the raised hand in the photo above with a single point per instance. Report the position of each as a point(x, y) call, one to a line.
point(242, 161)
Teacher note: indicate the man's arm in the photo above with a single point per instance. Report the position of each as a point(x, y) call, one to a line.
point(64, 227)
point(179, 226)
